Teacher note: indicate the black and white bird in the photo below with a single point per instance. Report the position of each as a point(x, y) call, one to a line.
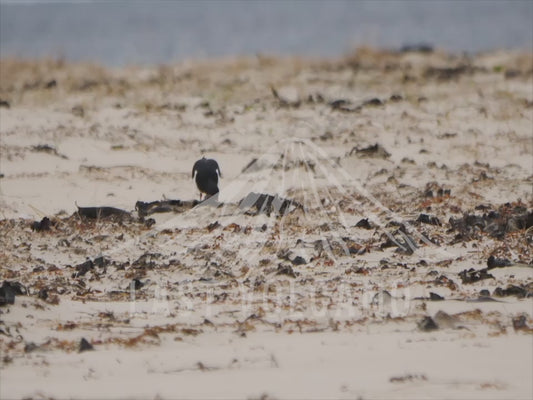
point(207, 173)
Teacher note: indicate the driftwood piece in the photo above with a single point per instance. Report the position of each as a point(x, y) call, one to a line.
point(102, 212)
point(163, 206)
point(252, 204)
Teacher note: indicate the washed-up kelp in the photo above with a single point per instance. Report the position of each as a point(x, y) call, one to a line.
point(163, 206)
point(257, 203)
point(102, 212)
point(507, 218)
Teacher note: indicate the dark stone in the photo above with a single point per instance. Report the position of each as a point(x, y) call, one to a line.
point(513, 290)
point(298, 261)
point(342, 105)
point(472, 275)
point(373, 102)
point(136, 284)
point(375, 151)
point(83, 268)
point(29, 347)
point(43, 225)
point(50, 84)
point(149, 222)
point(285, 269)
point(497, 224)
point(435, 297)
point(484, 293)
point(212, 226)
point(101, 262)
point(43, 294)
point(427, 219)
point(519, 323)
point(4, 103)
point(494, 262)
point(427, 324)
point(7, 294)
point(9, 290)
point(85, 345)
point(363, 223)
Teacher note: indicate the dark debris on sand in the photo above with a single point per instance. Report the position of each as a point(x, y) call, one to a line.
point(508, 218)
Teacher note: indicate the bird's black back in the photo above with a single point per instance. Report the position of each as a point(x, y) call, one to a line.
point(207, 172)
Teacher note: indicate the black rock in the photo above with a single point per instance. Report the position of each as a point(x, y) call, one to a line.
point(435, 297)
point(285, 269)
point(149, 222)
point(363, 223)
point(85, 345)
point(9, 290)
point(497, 224)
point(7, 294)
point(375, 151)
point(513, 290)
point(396, 97)
point(298, 261)
point(136, 284)
point(472, 275)
point(494, 262)
point(4, 103)
point(428, 219)
point(343, 105)
point(83, 268)
point(43, 225)
point(484, 293)
point(100, 261)
point(428, 324)
point(373, 102)
point(29, 347)
point(43, 294)
point(50, 84)
point(519, 323)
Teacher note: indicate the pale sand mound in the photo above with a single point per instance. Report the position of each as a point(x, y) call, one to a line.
point(379, 286)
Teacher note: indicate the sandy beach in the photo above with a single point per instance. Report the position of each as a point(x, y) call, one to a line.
point(393, 262)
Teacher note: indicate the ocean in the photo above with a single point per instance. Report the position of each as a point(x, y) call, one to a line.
point(117, 33)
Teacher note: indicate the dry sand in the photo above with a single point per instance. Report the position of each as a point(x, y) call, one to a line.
point(235, 305)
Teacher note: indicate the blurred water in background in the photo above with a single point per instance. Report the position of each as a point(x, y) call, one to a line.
point(147, 32)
